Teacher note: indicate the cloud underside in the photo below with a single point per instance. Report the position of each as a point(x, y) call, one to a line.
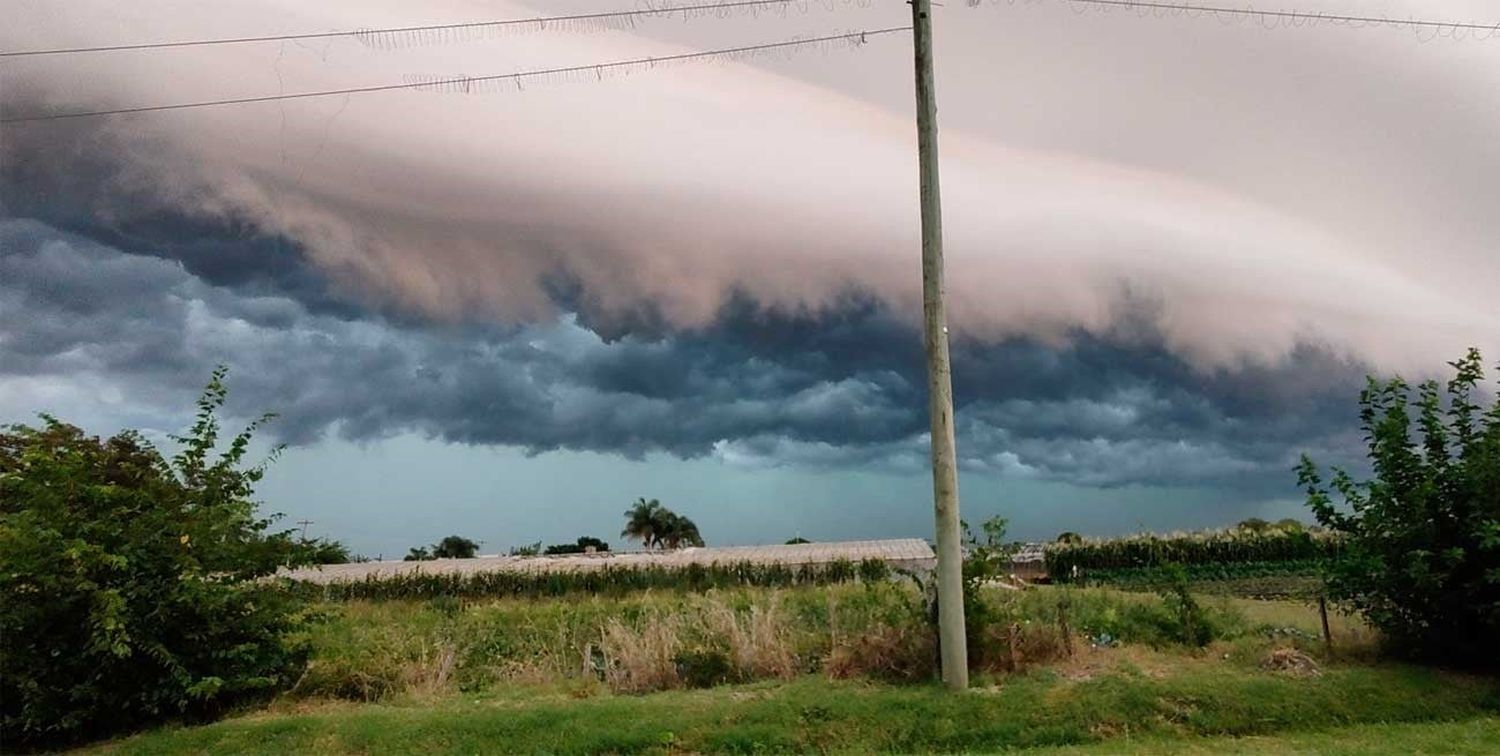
point(128, 337)
point(1260, 208)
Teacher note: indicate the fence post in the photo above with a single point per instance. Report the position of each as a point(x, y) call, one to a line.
point(1327, 634)
point(1062, 625)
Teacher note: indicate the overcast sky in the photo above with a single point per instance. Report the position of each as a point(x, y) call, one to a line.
point(1176, 246)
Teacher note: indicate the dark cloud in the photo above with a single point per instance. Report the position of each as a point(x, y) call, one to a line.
point(837, 387)
point(76, 177)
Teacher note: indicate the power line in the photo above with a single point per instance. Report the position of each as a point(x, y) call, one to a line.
point(1290, 16)
point(467, 83)
point(625, 18)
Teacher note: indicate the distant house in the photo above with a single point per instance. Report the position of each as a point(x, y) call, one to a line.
point(1029, 563)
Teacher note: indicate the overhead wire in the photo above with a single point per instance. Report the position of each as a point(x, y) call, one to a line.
point(399, 35)
point(1452, 29)
point(469, 84)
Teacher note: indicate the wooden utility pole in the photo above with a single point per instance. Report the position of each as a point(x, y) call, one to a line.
point(951, 634)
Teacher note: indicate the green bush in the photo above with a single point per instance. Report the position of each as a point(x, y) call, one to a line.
point(987, 560)
point(133, 583)
point(703, 668)
point(1174, 618)
point(1421, 556)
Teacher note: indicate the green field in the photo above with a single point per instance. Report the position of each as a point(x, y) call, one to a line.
point(818, 669)
point(1121, 710)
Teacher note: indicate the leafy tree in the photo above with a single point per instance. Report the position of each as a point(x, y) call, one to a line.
point(796, 541)
point(655, 526)
point(1421, 553)
point(321, 551)
point(1069, 537)
point(580, 547)
point(455, 547)
point(1254, 525)
point(135, 585)
point(530, 549)
point(584, 542)
point(451, 547)
point(1289, 525)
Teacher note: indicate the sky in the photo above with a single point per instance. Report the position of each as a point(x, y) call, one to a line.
point(1176, 247)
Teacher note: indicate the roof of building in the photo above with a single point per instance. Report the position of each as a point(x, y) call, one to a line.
point(908, 551)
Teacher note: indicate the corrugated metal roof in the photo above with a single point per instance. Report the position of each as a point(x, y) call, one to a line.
point(907, 551)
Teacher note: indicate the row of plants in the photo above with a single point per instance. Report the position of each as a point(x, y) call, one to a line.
point(1091, 559)
point(1297, 578)
point(610, 581)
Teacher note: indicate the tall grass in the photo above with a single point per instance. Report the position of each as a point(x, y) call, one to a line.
point(674, 639)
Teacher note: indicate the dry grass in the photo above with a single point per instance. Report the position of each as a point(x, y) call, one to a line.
point(895, 654)
point(642, 659)
point(760, 643)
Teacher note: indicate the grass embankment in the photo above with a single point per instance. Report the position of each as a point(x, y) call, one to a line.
point(1131, 709)
point(806, 669)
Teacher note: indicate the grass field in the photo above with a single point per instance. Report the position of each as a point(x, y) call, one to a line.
point(1147, 710)
point(515, 676)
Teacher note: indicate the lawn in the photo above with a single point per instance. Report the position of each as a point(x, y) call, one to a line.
point(1141, 703)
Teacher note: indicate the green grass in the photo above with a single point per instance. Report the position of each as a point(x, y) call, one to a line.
point(505, 675)
point(1200, 698)
point(1479, 737)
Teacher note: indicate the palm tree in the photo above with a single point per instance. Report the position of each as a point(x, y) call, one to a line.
point(655, 526)
point(677, 531)
point(643, 521)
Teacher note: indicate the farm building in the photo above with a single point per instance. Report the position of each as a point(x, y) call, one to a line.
point(908, 553)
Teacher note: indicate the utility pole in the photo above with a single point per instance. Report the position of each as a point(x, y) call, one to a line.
point(951, 634)
point(304, 524)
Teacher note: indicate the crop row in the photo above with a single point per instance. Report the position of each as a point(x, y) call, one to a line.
point(1081, 560)
point(1293, 578)
point(611, 581)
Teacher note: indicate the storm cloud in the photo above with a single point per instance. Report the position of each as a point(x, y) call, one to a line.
point(837, 388)
point(1175, 248)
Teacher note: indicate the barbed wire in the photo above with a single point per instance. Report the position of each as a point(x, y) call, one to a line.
point(655, 10)
point(1426, 29)
point(461, 84)
point(502, 82)
point(399, 37)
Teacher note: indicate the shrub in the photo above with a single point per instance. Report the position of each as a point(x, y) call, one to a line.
point(988, 560)
point(133, 584)
point(1421, 556)
point(1189, 624)
point(893, 653)
point(703, 668)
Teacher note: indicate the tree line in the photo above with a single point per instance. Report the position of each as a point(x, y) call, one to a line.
point(647, 521)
